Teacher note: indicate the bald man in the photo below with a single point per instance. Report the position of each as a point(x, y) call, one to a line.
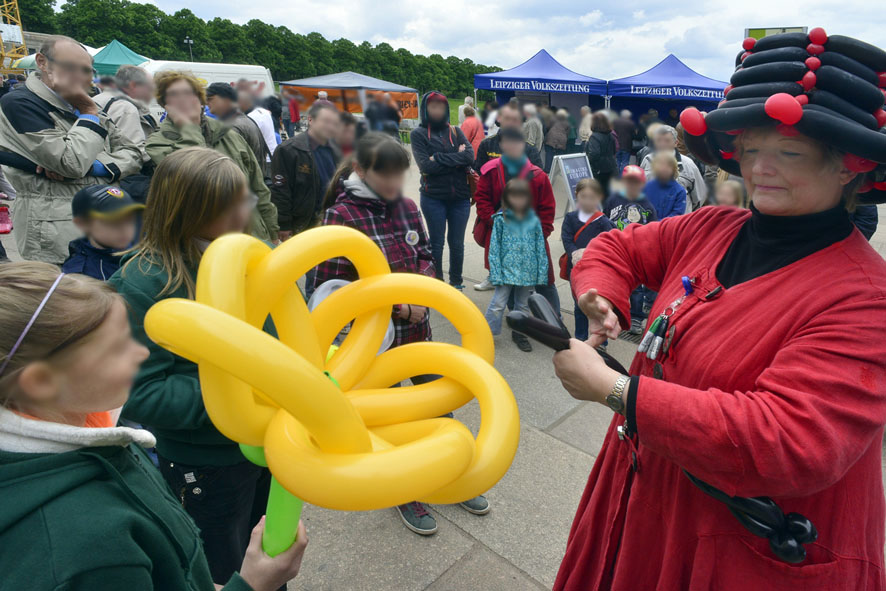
point(54, 141)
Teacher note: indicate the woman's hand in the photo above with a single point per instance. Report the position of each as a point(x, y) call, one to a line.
point(583, 372)
point(576, 255)
point(264, 573)
point(602, 321)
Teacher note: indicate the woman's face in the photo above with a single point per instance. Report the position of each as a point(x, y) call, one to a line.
point(790, 175)
point(387, 185)
point(96, 376)
point(233, 220)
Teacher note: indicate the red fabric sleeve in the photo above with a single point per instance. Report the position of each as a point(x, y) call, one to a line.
point(545, 205)
point(615, 263)
point(814, 411)
point(483, 197)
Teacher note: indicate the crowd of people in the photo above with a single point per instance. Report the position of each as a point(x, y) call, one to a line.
point(125, 204)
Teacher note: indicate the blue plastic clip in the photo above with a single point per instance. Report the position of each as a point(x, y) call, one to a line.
point(687, 284)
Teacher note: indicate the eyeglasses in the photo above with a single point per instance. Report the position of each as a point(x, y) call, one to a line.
point(72, 67)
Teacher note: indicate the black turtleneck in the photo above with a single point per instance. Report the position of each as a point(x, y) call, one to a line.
point(766, 243)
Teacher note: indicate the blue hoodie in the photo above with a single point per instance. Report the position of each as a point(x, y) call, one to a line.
point(669, 199)
point(86, 259)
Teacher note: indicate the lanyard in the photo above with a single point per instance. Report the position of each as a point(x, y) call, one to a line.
point(655, 334)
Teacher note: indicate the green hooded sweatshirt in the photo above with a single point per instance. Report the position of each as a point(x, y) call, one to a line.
point(83, 509)
point(166, 395)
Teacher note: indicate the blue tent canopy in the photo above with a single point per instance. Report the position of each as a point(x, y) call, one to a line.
point(669, 79)
point(540, 73)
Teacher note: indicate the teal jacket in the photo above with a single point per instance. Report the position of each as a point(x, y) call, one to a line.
point(166, 396)
point(96, 519)
point(517, 254)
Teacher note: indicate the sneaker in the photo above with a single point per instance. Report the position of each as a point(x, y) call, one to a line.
point(458, 286)
point(522, 341)
point(416, 517)
point(484, 285)
point(478, 505)
point(636, 326)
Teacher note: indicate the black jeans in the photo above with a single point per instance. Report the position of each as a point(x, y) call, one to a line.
point(225, 502)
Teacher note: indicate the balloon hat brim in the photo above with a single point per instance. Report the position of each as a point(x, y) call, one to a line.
point(829, 88)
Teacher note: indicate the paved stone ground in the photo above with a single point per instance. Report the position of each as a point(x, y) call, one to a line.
point(516, 547)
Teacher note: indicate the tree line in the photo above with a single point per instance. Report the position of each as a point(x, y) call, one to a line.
point(147, 30)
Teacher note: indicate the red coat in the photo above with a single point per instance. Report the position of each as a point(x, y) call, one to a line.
point(488, 201)
point(775, 387)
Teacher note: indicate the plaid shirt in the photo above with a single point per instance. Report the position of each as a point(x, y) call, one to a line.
point(388, 224)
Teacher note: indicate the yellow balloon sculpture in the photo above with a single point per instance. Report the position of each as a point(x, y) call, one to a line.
point(335, 433)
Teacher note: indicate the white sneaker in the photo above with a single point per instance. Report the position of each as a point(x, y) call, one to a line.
point(484, 286)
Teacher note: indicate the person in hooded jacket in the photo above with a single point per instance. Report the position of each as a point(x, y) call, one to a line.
point(444, 157)
point(372, 202)
point(84, 509)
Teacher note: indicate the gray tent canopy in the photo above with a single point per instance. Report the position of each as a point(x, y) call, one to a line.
point(350, 80)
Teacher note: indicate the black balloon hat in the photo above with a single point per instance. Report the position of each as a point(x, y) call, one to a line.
point(830, 88)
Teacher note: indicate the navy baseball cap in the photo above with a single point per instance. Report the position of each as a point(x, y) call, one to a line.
point(103, 202)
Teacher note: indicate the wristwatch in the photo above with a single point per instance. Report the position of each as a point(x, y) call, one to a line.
point(615, 399)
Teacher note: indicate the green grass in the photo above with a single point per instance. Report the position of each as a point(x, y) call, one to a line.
point(453, 110)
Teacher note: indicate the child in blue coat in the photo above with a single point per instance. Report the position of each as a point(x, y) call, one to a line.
point(518, 260)
point(579, 228)
point(663, 191)
point(107, 217)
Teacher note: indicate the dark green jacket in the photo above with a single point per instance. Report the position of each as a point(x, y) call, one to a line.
point(166, 396)
point(96, 519)
point(212, 133)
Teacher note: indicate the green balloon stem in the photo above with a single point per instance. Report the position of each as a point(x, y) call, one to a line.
point(281, 521)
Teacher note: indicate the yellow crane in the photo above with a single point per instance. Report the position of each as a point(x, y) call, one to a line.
point(12, 39)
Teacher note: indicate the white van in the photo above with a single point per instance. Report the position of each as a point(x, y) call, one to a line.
point(209, 73)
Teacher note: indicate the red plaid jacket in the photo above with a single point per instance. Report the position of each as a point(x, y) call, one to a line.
point(392, 226)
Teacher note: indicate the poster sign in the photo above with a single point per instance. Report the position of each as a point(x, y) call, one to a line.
point(11, 34)
point(566, 171)
point(348, 99)
point(765, 32)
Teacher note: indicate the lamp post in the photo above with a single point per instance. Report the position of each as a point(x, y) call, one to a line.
point(190, 43)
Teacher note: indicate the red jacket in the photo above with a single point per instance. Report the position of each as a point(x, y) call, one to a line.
point(473, 130)
point(774, 387)
point(294, 112)
point(488, 201)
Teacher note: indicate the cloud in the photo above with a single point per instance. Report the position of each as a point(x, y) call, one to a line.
point(610, 41)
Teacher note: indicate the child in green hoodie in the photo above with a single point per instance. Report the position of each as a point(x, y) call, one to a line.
point(196, 196)
point(83, 507)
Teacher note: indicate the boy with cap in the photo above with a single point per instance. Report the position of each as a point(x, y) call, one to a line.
point(630, 206)
point(107, 217)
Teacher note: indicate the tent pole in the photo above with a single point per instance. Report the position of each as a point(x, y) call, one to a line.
point(606, 99)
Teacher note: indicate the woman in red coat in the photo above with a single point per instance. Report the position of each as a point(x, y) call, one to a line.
point(770, 379)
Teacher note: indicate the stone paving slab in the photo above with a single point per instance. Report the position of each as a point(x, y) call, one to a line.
point(482, 569)
point(532, 506)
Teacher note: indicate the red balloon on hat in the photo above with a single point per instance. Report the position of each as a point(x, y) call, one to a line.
point(818, 36)
point(808, 81)
point(727, 90)
point(880, 115)
point(726, 155)
point(858, 164)
point(813, 63)
point(880, 186)
point(748, 43)
point(693, 121)
point(882, 78)
point(784, 107)
point(802, 99)
point(815, 49)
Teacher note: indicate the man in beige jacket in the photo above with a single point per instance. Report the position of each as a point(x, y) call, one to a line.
point(55, 141)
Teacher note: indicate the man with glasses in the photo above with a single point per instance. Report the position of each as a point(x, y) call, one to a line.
point(55, 141)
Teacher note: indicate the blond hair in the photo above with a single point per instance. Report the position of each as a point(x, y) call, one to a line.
point(670, 159)
point(736, 187)
point(77, 307)
point(190, 189)
point(166, 78)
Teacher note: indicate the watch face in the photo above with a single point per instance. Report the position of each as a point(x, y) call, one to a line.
point(615, 402)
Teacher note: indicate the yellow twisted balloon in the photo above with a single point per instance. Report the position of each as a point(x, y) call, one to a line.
point(363, 446)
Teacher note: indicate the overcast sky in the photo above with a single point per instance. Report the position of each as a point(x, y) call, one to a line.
point(607, 39)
